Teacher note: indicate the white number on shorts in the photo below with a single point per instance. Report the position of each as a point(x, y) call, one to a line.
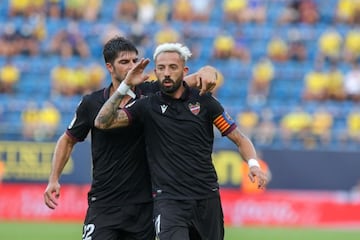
point(157, 224)
point(88, 230)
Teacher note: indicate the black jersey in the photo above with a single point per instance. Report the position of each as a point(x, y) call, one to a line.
point(179, 138)
point(120, 170)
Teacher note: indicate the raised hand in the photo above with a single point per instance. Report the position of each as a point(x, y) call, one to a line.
point(136, 75)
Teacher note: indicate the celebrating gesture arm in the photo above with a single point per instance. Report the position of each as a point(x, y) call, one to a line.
point(110, 116)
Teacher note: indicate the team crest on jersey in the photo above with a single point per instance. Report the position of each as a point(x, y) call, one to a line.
point(194, 108)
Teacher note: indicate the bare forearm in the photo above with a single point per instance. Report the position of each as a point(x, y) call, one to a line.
point(61, 156)
point(245, 146)
point(110, 116)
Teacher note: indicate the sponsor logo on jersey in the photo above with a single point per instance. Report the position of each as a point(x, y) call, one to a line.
point(163, 108)
point(194, 108)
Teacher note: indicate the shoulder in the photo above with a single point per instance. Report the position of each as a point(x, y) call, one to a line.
point(96, 97)
point(149, 87)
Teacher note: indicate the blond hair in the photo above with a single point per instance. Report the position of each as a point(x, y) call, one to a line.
point(183, 51)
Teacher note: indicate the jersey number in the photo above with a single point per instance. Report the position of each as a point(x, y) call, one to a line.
point(88, 230)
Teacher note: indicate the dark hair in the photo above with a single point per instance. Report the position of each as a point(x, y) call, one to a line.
point(116, 45)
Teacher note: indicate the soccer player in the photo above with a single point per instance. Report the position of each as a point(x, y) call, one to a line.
point(120, 199)
point(178, 125)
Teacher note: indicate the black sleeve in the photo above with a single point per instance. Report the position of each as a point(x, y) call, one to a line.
point(136, 111)
point(80, 124)
point(220, 118)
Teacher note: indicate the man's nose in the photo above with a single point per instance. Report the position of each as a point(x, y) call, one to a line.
point(167, 72)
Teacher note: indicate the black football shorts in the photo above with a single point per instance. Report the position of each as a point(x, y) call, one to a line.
point(189, 219)
point(132, 222)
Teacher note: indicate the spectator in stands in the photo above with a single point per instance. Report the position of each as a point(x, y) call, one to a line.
point(290, 13)
point(127, 11)
point(40, 124)
point(263, 73)
point(330, 45)
point(166, 33)
point(109, 31)
point(351, 51)
point(91, 10)
point(30, 120)
point(352, 83)
point(233, 10)
point(316, 84)
point(69, 42)
point(139, 36)
point(163, 12)
point(193, 38)
point(96, 77)
point(241, 49)
point(335, 90)
point(299, 11)
point(308, 12)
point(347, 11)
point(277, 49)
point(201, 10)
point(9, 77)
point(190, 11)
point(295, 126)
point(352, 128)
point(54, 9)
point(266, 130)
point(60, 76)
point(48, 122)
point(147, 11)
point(182, 10)
point(255, 11)
point(9, 46)
point(28, 40)
point(247, 121)
point(19, 8)
point(223, 46)
point(80, 81)
point(321, 127)
point(74, 9)
point(297, 50)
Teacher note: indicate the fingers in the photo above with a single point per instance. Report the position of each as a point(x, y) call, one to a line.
point(51, 198)
point(257, 174)
point(206, 85)
point(144, 62)
point(251, 177)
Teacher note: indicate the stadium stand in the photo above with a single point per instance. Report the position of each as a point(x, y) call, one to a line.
point(286, 88)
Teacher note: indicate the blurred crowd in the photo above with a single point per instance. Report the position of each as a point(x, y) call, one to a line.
point(291, 67)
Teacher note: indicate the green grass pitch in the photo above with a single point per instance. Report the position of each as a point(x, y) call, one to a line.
point(73, 231)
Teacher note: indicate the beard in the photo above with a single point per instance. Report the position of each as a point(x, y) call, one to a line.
point(170, 89)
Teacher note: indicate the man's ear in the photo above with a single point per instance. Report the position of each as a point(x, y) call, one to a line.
point(186, 70)
point(109, 67)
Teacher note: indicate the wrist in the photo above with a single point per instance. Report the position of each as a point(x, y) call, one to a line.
point(125, 89)
point(253, 163)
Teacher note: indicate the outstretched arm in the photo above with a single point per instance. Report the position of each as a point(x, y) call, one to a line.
point(248, 153)
point(110, 116)
point(205, 79)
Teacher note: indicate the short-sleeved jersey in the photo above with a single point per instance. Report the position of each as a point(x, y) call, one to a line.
point(120, 171)
point(179, 138)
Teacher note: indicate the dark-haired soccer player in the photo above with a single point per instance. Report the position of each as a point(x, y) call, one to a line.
point(120, 199)
point(178, 124)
